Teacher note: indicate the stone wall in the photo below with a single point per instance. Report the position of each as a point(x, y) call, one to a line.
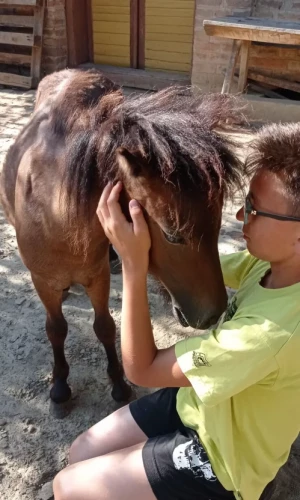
point(211, 54)
point(55, 49)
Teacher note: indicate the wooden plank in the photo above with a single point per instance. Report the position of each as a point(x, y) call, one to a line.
point(156, 28)
point(162, 55)
point(171, 4)
point(178, 47)
point(257, 30)
point(245, 50)
point(119, 39)
point(98, 4)
point(11, 58)
point(168, 37)
point(17, 21)
point(37, 48)
point(142, 34)
point(112, 50)
point(236, 45)
point(78, 36)
point(163, 12)
point(25, 3)
point(158, 20)
point(11, 38)
point(111, 28)
point(274, 81)
point(134, 22)
point(15, 80)
point(111, 18)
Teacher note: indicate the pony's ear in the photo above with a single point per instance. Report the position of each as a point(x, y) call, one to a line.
point(130, 163)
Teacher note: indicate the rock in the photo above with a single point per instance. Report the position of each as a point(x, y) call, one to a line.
point(20, 301)
point(3, 422)
point(46, 492)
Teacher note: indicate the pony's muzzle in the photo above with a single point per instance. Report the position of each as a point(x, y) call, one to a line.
point(180, 317)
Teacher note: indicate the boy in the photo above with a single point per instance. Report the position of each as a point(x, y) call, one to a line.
point(229, 427)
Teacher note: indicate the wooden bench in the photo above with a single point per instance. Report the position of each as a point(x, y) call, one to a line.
point(245, 30)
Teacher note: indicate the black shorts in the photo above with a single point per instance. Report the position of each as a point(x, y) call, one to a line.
point(175, 461)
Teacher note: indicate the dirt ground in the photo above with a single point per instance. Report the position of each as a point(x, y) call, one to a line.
point(35, 435)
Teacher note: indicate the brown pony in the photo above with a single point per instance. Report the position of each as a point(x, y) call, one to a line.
point(165, 149)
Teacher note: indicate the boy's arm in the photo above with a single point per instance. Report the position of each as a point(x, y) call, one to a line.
point(218, 363)
point(143, 363)
point(235, 267)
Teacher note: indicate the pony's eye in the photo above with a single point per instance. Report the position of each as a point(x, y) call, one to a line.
point(174, 238)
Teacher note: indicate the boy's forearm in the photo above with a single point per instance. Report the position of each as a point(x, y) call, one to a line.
point(137, 342)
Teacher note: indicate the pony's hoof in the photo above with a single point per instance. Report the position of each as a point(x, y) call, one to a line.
point(121, 392)
point(60, 392)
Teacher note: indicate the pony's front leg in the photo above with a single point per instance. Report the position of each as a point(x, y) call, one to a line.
point(57, 329)
point(105, 330)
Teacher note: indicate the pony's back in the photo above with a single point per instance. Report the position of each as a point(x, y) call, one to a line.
point(64, 100)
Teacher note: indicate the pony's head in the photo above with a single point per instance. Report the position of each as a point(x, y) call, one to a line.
point(165, 149)
point(171, 155)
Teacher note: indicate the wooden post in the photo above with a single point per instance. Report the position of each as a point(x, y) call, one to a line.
point(39, 13)
point(245, 49)
point(231, 65)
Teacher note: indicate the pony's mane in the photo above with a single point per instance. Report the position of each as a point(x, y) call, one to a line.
point(174, 133)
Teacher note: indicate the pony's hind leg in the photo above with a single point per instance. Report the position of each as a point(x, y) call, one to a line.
point(105, 330)
point(57, 329)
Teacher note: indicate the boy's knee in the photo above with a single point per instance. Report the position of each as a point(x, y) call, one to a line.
point(61, 485)
point(78, 451)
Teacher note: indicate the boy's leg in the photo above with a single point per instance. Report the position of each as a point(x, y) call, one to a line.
point(119, 475)
point(147, 417)
point(115, 432)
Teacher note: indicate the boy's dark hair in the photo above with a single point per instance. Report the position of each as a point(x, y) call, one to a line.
point(277, 149)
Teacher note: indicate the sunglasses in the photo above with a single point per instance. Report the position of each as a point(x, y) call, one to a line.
point(250, 210)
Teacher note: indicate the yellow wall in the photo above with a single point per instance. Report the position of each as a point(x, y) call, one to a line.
point(169, 34)
point(111, 29)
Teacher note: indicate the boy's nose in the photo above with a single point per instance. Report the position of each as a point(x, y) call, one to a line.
point(240, 215)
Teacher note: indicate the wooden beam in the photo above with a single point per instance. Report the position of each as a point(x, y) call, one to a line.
point(134, 26)
point(11, 58)
point(12, 38)
point(142, 34)
point(256, 30)
point(245, 50)
point(38, 27)
point(17, 21)
point(15, 80)
point(274, 81)
point(25, 3)
point(236, 45)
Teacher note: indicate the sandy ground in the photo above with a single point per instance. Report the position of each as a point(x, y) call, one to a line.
point(34, 436)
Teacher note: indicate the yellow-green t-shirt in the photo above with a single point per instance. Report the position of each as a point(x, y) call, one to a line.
point(245, 375)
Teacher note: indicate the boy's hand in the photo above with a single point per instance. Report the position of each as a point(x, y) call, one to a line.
point(131, 240)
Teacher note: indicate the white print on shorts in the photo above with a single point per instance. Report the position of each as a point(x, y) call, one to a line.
point(191, 456)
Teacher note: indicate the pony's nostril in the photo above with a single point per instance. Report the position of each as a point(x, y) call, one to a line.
point(180, 317)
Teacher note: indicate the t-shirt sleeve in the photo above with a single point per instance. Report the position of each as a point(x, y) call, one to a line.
point(235, 267)
point(226, 361)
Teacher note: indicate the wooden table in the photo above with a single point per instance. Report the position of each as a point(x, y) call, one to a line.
point(245, 30)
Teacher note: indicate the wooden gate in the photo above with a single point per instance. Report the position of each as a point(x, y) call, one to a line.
point(111, 32)
point(144, 34)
